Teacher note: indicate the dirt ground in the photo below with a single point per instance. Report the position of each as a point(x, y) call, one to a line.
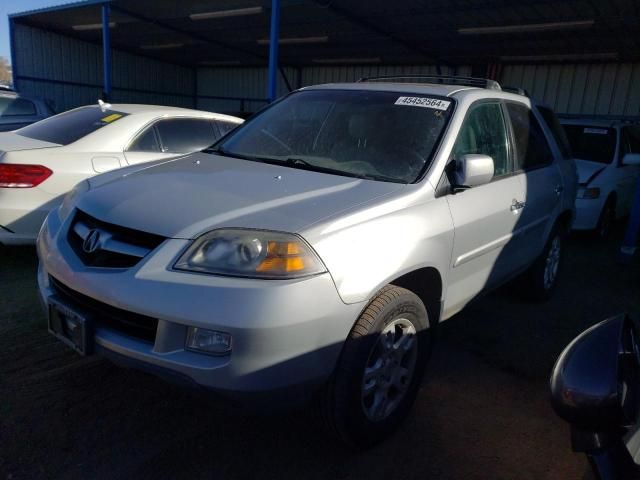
point(483, 412)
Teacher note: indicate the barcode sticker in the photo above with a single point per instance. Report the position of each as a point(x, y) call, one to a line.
point(597, 131)
point(423, 102)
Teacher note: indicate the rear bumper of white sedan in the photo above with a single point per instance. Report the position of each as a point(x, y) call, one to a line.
point(22, 212)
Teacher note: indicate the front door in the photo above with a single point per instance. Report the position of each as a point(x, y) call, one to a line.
point(485, 217)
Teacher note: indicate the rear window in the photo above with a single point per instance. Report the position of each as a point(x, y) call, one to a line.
point(532, 148)
point(70, 126)
point(185, 135)
point(15, 106)
point(597, 144)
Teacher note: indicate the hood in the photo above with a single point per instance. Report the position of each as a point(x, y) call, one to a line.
point(12, 142)
point(197, 193)
point(588, 170)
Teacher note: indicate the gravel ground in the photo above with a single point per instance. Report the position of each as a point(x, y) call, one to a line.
point(482, 413)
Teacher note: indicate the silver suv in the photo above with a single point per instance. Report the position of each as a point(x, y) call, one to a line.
point(312, 251)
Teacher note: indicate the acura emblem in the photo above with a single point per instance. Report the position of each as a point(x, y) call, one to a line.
point(92, 241)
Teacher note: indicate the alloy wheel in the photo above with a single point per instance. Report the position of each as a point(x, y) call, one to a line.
point(390, 369)
point(552, 263)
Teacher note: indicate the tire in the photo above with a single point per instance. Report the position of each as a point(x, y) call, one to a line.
point(372, 371)
point(606, 221)
point(542, 277)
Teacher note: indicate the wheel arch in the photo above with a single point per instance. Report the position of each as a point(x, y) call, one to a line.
point(426, 283)
point(565, 219)
point(613, 198)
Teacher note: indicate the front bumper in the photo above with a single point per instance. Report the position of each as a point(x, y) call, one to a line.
point(286, 333)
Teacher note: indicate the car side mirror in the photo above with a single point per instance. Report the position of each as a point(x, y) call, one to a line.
point(595, 383)
point(472, 170)
point(631, 159)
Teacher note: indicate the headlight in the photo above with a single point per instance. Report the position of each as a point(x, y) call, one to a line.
point(70, 199)
point(588, 193)
point(251, 253)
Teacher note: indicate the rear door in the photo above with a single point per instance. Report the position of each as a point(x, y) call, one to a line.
point(536, 167)
point(485, 217)
point(567, 164)
point(185, 135)
point(145, 147)
point(170, 138)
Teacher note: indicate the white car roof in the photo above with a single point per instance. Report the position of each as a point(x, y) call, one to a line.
point(160, 110)
point(117, 135)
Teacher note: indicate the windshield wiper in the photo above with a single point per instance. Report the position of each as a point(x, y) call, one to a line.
point(298, 162)
point(225, 153)
point(380, 178)
point(303, 164)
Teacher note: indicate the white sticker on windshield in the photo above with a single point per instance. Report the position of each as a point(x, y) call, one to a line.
point(423, 102)
point(597, 131)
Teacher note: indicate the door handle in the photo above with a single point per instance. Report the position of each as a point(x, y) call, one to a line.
point(517, 206)
point(559, 189)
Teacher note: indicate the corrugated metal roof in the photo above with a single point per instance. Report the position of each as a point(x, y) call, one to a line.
point(366, 31)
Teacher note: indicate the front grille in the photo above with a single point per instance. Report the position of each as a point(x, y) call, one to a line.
point(117, 247)
point(132, 324)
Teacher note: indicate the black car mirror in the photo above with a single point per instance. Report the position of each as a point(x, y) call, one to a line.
point(595, 387)
point(595, 381)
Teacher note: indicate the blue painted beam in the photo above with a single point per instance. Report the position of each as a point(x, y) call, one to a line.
point(274, 37)
point(106, 51)
point(12, 46)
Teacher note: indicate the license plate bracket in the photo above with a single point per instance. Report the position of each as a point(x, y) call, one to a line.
point(70, 326)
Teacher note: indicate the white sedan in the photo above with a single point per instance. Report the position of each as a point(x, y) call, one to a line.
point(607, 154)
point(41, 162)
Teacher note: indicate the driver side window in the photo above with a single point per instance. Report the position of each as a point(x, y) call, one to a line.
point(484, 132)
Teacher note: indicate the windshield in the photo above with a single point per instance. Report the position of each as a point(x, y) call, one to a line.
point(376, 135)
point(70, 126)
point(597, 144)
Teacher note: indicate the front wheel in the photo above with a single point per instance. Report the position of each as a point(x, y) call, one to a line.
point(542, 277)
point(378, 376)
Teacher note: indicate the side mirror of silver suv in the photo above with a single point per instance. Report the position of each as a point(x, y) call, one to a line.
point(473, 170)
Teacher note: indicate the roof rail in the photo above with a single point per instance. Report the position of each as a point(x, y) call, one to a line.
point(441, 79)
point(516, 90)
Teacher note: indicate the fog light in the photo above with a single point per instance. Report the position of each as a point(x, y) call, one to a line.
point(208, 341)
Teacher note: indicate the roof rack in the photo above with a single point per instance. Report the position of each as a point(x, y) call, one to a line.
point(516, 90)
point(441, 79)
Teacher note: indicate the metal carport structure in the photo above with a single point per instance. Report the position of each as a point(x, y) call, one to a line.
point(580, 56)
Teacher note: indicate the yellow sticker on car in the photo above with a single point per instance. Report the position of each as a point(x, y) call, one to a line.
point(111, 118)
